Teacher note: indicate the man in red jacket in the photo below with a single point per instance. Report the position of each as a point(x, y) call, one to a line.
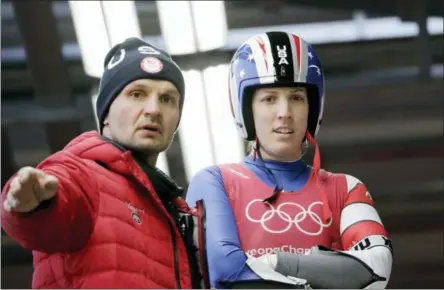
point(98, 214)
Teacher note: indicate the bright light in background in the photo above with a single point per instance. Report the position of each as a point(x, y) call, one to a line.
point(435, 25)
point(99, 25)
point(207, 132)
point(359, 17)
point(341, 31)
point(386, 27)
point(91, 34)
point(228, 146)
point(121, 20)
point(210, 22)
point(176, 23)
point(188, 26)
point(162, 163)
point(194, 127)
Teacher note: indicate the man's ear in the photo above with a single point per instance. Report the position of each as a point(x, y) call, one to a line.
point(106, 122)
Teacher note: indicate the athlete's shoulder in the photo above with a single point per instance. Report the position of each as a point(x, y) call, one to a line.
point(348, 181)
point(206, 173)
point(216, 172)
point(206, 180)
point(235, 171)
point(345, 186)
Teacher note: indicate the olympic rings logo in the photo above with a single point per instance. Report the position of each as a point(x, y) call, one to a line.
point(297, 220)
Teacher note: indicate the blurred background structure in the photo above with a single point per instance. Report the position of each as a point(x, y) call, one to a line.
point(383, 118)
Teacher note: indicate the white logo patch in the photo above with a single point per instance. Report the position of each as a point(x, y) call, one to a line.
point(151, 64)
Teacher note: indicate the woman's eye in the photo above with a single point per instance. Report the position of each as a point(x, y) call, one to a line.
point(268, 99)
point(298, 98)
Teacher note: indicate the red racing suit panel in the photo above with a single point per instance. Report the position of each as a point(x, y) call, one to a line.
point(293, 223)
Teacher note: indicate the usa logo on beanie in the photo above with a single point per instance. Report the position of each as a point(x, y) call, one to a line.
point(151, 64)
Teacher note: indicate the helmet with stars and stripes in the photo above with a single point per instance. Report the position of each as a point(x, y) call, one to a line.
point(274, 59)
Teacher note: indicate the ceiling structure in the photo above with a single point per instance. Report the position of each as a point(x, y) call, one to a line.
point(383, 115)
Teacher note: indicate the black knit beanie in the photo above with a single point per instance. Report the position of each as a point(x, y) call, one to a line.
point(131, 60)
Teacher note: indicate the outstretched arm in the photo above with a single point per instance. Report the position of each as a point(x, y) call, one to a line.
point(226, 259)
point(60, 224)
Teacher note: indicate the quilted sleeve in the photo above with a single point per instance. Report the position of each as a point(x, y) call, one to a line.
point(64, 223)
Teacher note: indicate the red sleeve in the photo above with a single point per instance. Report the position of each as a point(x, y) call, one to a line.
point(359, 218)
point(66, 224)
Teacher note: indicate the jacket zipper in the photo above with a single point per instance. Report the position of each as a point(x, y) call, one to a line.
point(176, 258)
point(171, 226)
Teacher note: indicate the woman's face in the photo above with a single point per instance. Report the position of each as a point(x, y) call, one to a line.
point(280, 119)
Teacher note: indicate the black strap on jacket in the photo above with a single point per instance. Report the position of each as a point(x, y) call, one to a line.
point(167, 190)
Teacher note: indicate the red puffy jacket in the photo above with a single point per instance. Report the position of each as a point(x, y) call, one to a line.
point(105, 228)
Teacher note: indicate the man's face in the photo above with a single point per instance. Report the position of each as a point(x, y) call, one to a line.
point(144, 116)
point(280, 119)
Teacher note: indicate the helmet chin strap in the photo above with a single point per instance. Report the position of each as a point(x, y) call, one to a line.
point(319, 183)
point(327, 214)
point(317, 156)
point(255, 147)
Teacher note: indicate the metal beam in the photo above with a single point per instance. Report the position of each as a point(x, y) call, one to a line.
point(416, 11)
point(38, 29)
point(424, 45)
point(337, 59)
point(14, 55)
